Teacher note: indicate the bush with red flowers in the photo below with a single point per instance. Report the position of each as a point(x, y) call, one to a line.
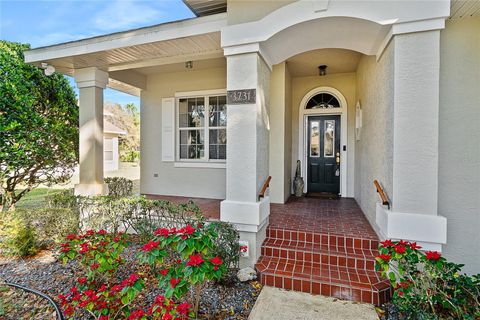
point(196, 263)
point(97, 251)
point(101, 302)
point(426, 285)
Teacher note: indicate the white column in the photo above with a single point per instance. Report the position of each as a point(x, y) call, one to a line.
point(247, 152)
point(413, 215)
point(91, 83)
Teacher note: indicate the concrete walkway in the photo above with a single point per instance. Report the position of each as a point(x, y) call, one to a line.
point(279, 304)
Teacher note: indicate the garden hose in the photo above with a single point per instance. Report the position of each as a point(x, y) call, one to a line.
point(41, 294)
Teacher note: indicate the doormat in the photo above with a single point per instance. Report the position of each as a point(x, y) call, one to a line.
point(322, 195)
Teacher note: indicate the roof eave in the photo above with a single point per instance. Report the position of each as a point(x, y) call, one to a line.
point(161, 32)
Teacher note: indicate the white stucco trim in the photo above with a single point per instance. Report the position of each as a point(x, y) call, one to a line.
point(91, 77)
point(430, 231)
point(303, 115)
point(203, 164)
point(409, 27)
point(305, 10)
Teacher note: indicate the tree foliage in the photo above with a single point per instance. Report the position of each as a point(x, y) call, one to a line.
point(38, 126)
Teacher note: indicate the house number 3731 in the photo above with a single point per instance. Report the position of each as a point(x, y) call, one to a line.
point(244, 96)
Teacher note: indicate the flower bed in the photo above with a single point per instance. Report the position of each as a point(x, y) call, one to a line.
point(19, 304)
point(228, 299)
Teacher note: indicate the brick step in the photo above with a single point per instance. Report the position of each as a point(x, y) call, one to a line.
point(326, 279)
point(363, 259)
point(332, 240)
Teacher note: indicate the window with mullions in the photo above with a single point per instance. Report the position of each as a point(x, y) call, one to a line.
point(202, 131)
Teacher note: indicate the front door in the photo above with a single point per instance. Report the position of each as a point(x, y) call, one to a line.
point(323, 154)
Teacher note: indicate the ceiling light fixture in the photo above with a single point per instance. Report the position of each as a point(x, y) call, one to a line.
point(189, 64)
point(322, 70)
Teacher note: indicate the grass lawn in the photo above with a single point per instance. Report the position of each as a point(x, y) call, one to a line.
point(36, 198)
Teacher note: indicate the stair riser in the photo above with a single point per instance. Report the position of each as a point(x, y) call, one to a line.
point(327, 289)
point(333, 241)
point(359, 263)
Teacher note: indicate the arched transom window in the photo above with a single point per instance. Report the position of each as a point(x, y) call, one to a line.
point(323, 101)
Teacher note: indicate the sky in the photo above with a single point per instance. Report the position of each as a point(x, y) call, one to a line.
point(47, 22)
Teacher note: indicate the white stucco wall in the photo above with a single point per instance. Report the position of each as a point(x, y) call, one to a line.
point(280, 133)
point(171, 180)
point(459, 141)
point(374, 151)
point(343, 82)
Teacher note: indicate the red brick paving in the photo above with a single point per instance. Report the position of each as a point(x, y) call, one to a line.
point(322, 246)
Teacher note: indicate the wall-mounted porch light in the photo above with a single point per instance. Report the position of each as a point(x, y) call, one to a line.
point(47, 68)
point(322, 70)
point(189, 64)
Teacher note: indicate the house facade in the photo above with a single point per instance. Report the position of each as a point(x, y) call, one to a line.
point(356, 90)
point(111, 133)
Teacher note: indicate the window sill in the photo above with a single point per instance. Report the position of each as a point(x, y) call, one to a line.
point(213, 165)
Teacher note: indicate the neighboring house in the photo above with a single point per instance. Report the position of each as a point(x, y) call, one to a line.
point(110, 144)
point(234, 96)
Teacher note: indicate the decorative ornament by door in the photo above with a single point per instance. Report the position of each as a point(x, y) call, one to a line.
point(298, 182)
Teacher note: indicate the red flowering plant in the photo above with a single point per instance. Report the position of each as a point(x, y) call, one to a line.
point(426, 285)
point(99, 252)
point(194, 263)
point(101, 302)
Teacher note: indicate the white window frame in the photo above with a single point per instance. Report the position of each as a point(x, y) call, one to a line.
point(206, 162)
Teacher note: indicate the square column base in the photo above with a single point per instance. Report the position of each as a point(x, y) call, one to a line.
point(91, 189)
point(429, 231)
point(251, 220)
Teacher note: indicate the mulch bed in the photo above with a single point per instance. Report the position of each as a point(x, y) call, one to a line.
point(231, 300)
point(19, 304)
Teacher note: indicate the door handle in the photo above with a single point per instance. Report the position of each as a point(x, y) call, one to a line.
point(338, 158)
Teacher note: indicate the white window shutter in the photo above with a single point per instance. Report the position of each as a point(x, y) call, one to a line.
point(168, 129)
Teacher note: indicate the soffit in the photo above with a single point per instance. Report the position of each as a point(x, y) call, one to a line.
point(206, 7)
point(464, 8)
point(162, 52)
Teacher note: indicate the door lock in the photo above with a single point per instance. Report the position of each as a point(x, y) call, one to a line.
point(338, 158)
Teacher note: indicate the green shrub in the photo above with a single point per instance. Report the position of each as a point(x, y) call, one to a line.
point(226, 244)
point(62, 199)
point(54, 224)
point(426, 285)
point(17, 235)
point(119, 186)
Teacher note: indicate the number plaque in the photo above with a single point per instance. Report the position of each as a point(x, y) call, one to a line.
point(244, 96)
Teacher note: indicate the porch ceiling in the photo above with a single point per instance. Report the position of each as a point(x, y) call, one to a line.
point(202, 46)
point(337, 61)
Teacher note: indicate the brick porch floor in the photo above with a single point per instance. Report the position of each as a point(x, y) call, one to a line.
point(314, 245)
point(323, 247)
